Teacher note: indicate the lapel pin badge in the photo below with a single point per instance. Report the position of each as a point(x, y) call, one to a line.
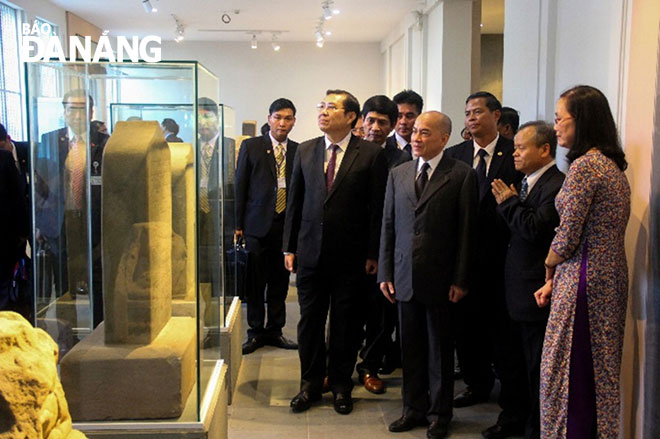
point(499, 153)
point(268, 151)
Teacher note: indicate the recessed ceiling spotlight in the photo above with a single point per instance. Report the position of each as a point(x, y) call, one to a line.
point(335, 12)
point(328, 33)
point(105, 32)
point(319, 43)
point(275, 44)
point(253, 43)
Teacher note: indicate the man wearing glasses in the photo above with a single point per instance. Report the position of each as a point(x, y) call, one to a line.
point(62, 188)
point(262, 173)
point(331, 237)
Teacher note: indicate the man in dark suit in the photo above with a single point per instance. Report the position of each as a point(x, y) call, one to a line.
point(379, 115)
point(334, 209)
point(170, 130)
point(486, 322)
point(14, 220)
point(262, 176)
point(529, 210)
point(507, 125)
point(426, 252)
point(61, 187)
point(410, 106)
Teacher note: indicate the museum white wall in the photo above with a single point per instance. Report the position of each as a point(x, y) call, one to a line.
point(641, 369)
point(45, 10)
point(437, 58)
point(251, 79)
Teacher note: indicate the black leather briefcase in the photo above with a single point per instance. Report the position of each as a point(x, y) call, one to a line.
point(238, 266)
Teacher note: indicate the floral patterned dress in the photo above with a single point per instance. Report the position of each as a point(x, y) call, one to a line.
point(594, 206)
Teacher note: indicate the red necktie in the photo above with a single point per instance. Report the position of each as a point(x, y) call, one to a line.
point(330, 172)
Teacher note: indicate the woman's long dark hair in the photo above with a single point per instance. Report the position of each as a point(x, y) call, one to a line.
point(594, 124)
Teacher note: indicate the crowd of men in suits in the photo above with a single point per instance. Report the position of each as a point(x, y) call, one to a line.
point(405, 252)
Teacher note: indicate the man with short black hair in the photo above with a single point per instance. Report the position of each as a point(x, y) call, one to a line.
point(486, 322)
point(529, 211)
point(379, 115)
point(410, 105)
point(507, 125)
point(263, 174)
point(331, 232)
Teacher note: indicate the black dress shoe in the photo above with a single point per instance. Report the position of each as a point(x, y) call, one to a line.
point(468, 398)
point(437, 430)
point(343, 403)
point(252, 345)
point(498, 431)
point(281, 342)
point(405, 423)
point(303, 401)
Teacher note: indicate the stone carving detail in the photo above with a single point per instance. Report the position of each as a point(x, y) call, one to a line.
point(32, 403)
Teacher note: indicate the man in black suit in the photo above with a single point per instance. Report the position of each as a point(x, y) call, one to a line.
point(170, 130)
point(262, 177)
point(335, 204)
point(508, 123)
point(486, 322)
point(410, 106)
point(61, 187)
point(426, 252)
point(529, 210)
point(14, 220)
point(379, 115)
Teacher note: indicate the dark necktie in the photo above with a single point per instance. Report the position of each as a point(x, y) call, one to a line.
point(422, 179)
point(524, 188)
point(481, 172)
point(330, 172)
point(408, 149)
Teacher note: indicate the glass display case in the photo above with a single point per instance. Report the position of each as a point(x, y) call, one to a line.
point(129, 238)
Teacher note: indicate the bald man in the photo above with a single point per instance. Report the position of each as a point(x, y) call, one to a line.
point(426, 253)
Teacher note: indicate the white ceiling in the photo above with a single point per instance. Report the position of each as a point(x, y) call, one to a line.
point(358, 21)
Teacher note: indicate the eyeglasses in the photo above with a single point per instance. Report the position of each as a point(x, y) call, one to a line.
point(326, 106)
point(559, 120)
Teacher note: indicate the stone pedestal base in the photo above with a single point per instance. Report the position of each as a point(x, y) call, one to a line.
point(231, 336)
point(111, 382)
point(212, 423)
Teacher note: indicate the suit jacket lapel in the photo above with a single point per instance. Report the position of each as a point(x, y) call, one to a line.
point(290, 155)
point(408, 184)
point(317, 161)
point(497, 160)
point(270, 155)
point(438, 179)
point(351, 153)
point(536, 190)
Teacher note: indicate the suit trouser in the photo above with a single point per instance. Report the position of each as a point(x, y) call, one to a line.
point(271, 275)
point(427, 350)
point(484, 339)
point(381, 318)
point(531, 337)
point(323, 288)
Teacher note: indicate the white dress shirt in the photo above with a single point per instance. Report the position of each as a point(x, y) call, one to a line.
point(342, 144)
point(490, 149)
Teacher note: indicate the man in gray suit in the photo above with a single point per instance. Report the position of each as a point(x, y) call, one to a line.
point(426, 253)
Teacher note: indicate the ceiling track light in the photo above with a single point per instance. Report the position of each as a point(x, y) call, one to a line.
point(253, 43)
point(179, 30)
point(148, 7)
point(327, 9)
point(275, 44)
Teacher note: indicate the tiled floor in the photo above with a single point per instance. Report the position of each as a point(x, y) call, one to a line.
point(269, 378)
